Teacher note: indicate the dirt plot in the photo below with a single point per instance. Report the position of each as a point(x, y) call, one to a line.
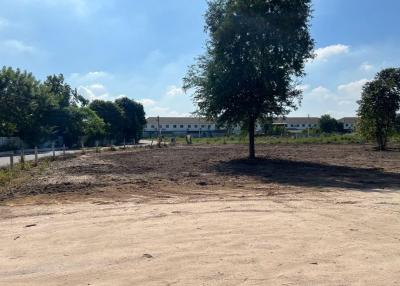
point(192, 172)
point(203, 215)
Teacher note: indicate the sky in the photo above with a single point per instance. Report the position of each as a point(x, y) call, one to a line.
point(141, 49)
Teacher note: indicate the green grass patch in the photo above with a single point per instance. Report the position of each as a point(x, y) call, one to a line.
point(20, 171)
point(322, 139)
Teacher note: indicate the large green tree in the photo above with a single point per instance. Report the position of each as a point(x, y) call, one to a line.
point(83, 126)
point(62, 115)
point(379, 103)
point(134, 118)
point(113, 117)
point(256, 48)
point(23, 106)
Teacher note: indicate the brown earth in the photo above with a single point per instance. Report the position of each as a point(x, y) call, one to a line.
point(203, 215)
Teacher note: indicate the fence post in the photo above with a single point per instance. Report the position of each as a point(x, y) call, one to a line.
point(22, 160)
point(11, 161)
point(64, 151)
point(36, 156)
point(53, 150)
point(124, 143)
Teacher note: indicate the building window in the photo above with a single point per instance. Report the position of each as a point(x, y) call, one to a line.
point(209, 126)
point(152, 126)
point(174, 126)
point(189, 126)
point(181, 126)
point(160, 126)
point(304, 125)
point(195, 126)
point(167, 126)
point(202, 126)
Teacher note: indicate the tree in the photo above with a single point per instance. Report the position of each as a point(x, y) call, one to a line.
point(23, 105)
point(378, 105)
point(328, 124)
point(397, 124)
point(134, 118)
point(83, 125)
point(63, 93)
point(112, 116)
point(255, 50)
point(64, 99)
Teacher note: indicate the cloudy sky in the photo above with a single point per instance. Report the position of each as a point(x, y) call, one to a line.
point(141, 49)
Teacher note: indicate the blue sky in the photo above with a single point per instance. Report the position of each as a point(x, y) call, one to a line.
point(141, 49)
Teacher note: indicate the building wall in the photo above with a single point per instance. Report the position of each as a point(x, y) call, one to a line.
point(199, 126)
point(179, 127)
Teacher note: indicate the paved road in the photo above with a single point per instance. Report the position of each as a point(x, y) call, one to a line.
point(5, 161)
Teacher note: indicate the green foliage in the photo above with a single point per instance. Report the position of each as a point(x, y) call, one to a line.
point(328, 124)
point(255, 50)
point(47, 111)
point(23, 105)
point(397, 124)
point(133, 118)
point(112, 116)
point(378, 106)
point(274, 140)
point(21, 172)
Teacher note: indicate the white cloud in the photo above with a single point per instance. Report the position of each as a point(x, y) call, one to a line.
point(15, 46)
point(89, 77)
point(352, 89)
point(146, 102)
point(366, 67)
point(174, 91)
point(303, 87)
point(166, 112)
point(94, 91)
point(330, 51)
point(321, 93)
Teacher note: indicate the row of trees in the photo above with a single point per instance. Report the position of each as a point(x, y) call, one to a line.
point(51, 110)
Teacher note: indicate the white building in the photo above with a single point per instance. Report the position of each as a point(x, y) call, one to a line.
point(298, 123)
point(201, 127)
point(180, 126)
point(349, 123)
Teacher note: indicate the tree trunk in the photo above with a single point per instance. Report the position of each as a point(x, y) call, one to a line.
point(252, 153)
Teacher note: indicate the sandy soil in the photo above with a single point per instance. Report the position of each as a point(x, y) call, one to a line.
point(300, 215)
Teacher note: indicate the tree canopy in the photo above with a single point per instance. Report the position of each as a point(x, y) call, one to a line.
point(113, 117)
point(133, 118)
point(328, 124)
point(379, 103)
point(52, 110)
point(256, 49)
point(23, 105)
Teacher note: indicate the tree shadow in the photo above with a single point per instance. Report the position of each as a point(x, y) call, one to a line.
point(310, 174)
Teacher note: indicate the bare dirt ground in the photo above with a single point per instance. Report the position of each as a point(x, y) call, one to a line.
point(202, 215)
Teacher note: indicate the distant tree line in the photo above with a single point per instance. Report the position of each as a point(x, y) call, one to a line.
point(51, 110)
